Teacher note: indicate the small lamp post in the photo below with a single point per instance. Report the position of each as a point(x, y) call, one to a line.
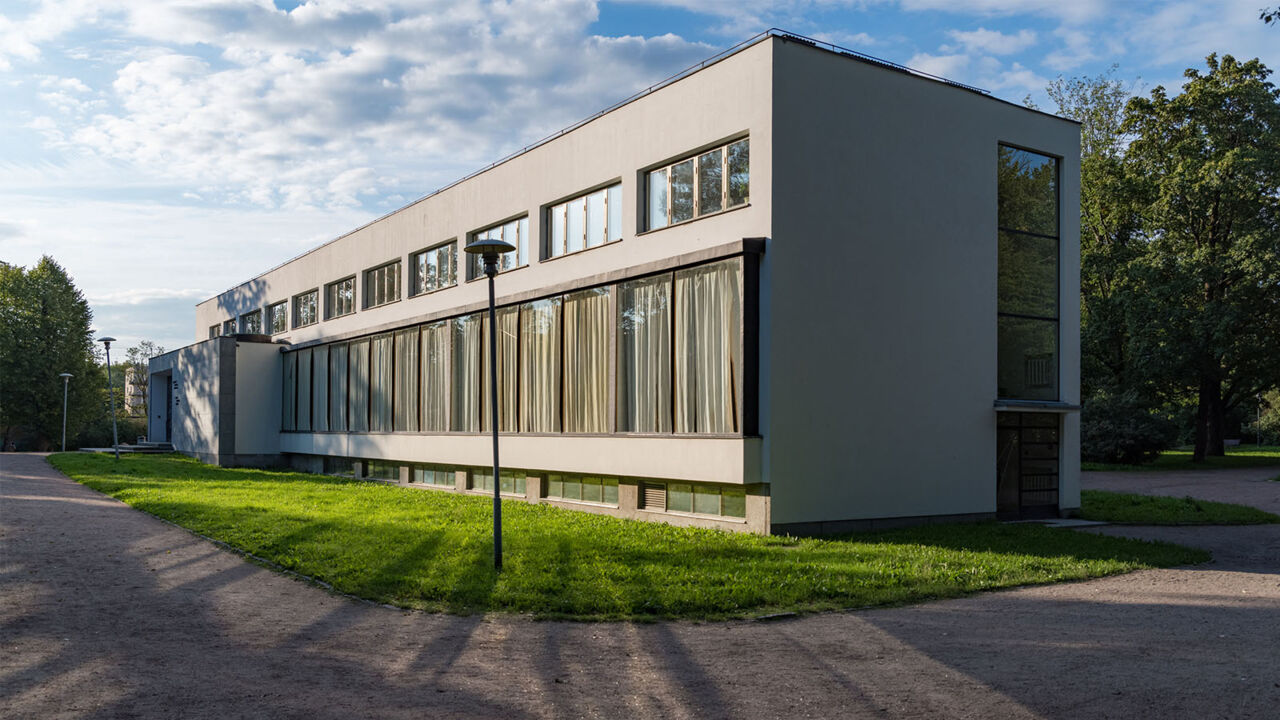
point(489, 251)
point(66, 380)
point(115, 432)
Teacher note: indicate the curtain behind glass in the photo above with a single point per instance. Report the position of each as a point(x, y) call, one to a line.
point(381, 382)
point(320, 388)
point(644, 355)
point(288, 407)
point(338, 387)
point(708, 348)
point(406, 395)
point(540, 366)
point(508, 361)
point(304, 390)
point(586, 361)
point(435, 377)
point(358, 387)
point(466, 373)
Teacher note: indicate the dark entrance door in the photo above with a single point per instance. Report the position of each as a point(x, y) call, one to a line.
point(168, 409)
point(1027, 464)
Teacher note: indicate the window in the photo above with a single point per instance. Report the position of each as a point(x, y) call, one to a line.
point(358, 386)
point(305, 308)
point(278, 317)
point(340, 298)
point(304, 390)
point(1027, 288)
point(380, 382)
point(585, 222)
point(381, 470)
point(508, 361)
point(434, 268)
point(437, 475)
point(338, 361)
point(513, 481)
point(345, 467)
point(515, 232)
point(382, 285)
point(587, 315)
point(701, 185)
point(406, 386)
point(540, 366)
point(320, 388)
point(644, 355)
point(603, 490)
point(465, 383)
point(215, 331)
point(434, 396)
point(251, 322)
point(695, 499)
point(289, 398)
point(229, 327)
point(708, 348)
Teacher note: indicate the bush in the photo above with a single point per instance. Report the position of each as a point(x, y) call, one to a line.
point(1119, 429)
point(98, 432)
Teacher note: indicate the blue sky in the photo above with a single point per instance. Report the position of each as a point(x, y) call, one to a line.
point(165, 151)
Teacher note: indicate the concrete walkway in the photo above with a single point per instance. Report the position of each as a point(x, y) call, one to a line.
point(108, 613)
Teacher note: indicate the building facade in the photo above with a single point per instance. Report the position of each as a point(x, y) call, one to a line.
point(790, 290)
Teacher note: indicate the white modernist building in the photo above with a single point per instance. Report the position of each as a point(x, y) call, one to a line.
point(792, 289)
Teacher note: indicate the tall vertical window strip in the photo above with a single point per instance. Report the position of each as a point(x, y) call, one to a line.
point(707, 183)
point(306, 308)
point(644, 355)
point(251, 322)
point(1027, 292)
point(515, 232)
point(540, 366)
point(465, 382)
point(708, 348)
point(358, 386)
point(586, 222)
point(382, 285)
point(304, 390)
point(289, 399)
point(340, 298)
point(338, 361)
point(320, 388)
point(278, 317)
point(434, 268)
point(435, 377)
point(381, 382)
point(406, 389)
point(508, 363)
point(587, 316)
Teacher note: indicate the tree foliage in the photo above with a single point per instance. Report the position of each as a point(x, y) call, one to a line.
point(44, 331)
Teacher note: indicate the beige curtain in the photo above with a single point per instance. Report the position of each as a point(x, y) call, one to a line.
point(435, 377)
point(338, 355)
point(644, 355)
point(508, 369)
point(320, 388)
point(381, 382)
point(586, 361)
point(358, 387)
point(304, 390)
point(466, 373)
point(708, 348)
point(540, 366)
point(406, 394)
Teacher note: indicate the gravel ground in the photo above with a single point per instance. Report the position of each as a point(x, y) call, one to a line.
point(109, 613)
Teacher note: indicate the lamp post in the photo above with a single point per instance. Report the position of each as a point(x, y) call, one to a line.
point(66, 380)
point(115, 432)
point(489, 251)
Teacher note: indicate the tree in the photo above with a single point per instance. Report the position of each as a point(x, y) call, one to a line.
point(1269, 15)
point(137, 374)
point(1206, 171)
point(44, 331)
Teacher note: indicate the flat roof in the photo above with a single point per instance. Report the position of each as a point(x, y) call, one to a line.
point(722, 55)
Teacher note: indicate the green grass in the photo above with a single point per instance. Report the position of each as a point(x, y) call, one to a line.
point(1150, 510)
point(432, 550)
point(1238, 456)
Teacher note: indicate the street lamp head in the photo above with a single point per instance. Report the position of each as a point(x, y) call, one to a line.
point(65, 376)
point(106, 340)
point(489, 250)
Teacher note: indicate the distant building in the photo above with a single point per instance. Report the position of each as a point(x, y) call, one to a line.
point(794, 289)
point(135, 394)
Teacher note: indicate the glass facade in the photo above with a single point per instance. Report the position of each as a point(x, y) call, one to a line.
point(712, 181)
point(1027, 288)
point(585, 222)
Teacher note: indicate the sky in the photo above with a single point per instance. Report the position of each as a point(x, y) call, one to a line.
point(164, 151)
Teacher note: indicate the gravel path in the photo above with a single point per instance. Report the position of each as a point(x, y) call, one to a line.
point(1246, 486)
point(108, 613)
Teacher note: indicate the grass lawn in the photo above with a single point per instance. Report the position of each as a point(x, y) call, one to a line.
point(432, 550)
point(1238, 456)
point(1149, 510)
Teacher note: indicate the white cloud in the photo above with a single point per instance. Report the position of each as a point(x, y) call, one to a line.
point(993, 42)
point(951, 67)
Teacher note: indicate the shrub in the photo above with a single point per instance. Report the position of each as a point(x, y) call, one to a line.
point(1119, 429)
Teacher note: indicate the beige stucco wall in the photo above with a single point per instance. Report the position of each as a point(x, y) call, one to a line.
point(879, 317)
point(194, 371)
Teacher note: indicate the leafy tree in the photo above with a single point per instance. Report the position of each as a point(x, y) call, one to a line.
point(1269, 15)
point(44, 331)
point(1206, 171)
point(136, 368)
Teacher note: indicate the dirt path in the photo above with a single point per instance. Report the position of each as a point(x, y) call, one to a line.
point(1245, 486)
point(109, 613)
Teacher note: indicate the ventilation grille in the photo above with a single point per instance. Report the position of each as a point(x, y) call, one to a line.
point(654, 496)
